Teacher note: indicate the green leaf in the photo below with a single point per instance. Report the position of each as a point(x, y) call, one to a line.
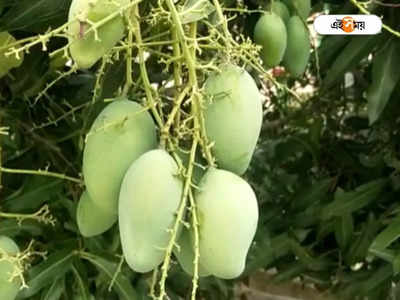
point(121, 284)
point(358, 48)
point(305, 256)
point(195, 10)
point(34, 193)
point(329, 48)
point(11, 228)
point(311, 195)
point(43, 274)
point(348, 202)
point(82, 285)
point(386, 237)
point(359, 248)
point(35, 15)
point(344, 228)
point(385, 75)
point(55, 291)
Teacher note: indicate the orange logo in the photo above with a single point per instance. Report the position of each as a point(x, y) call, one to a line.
point(348, 24)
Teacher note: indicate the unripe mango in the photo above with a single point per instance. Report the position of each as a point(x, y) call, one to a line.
point(85, 49)
point(93, 220)
point(301, 8)
point(149, 199)
point(298, 48)
point(228, 211)
point(8, 62)
point(270, 33)
point(122, 132)
point(233, 116)
point(8, 289)
point(185, 255)
point(281, 10)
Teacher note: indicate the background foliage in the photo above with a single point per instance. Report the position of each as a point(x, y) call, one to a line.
point(326, 170)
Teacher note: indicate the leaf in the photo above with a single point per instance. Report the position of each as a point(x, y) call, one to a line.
point(386, 237)
point(329, 48)
point(195, 10)
point(304, 255)
point(35, 191)
point(12, 228)
point(350, 56)
point(82, 285)
point(359, 248)
point(385, 75)
point(121, 284)
point(43, 274)
point(35, 15)
point(344, 228)
point(55, 290)
point(311, 195)
point(348, 202)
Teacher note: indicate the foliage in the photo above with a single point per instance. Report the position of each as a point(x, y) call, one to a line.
point(326, 169)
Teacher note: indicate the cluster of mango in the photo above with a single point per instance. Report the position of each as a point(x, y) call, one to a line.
point(129, 179)
point(283, 35)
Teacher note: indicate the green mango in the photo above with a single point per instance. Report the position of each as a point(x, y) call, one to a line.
point(149, 199)
point(8, 289)
point(8, 62)
point(301, 8)
point(93, 220)
point(281, 10)
point(233, 117)
point(86, 50)
point(298, 47)
point(270, 33)
point(185, 254)
point(228, 213)
point(122, 132)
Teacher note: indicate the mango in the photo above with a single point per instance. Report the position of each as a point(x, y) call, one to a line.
point(150, 195)
point(281, 10)
point(8, 62)
point(228, 211)
point(301, 8)
point(185, 254)
point(122, 132)
point(8, 289)
point(298, 48)
point(92, 220)
point(233, 117)
point(270, 33)
point(85, 50)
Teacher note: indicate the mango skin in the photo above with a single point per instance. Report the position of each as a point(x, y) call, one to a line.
point(228, 212)
point(270, 33)
point(233, 117)
point(298, 48)
point(185, 255)
point(149, 199)
point(281, 10)
point(9, 290)
point(122, 132)
point(8, 62)
point(86, 50)
point(93, 220)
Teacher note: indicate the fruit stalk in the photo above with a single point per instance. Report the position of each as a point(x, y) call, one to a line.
point(142, 65)
point(179, 218)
